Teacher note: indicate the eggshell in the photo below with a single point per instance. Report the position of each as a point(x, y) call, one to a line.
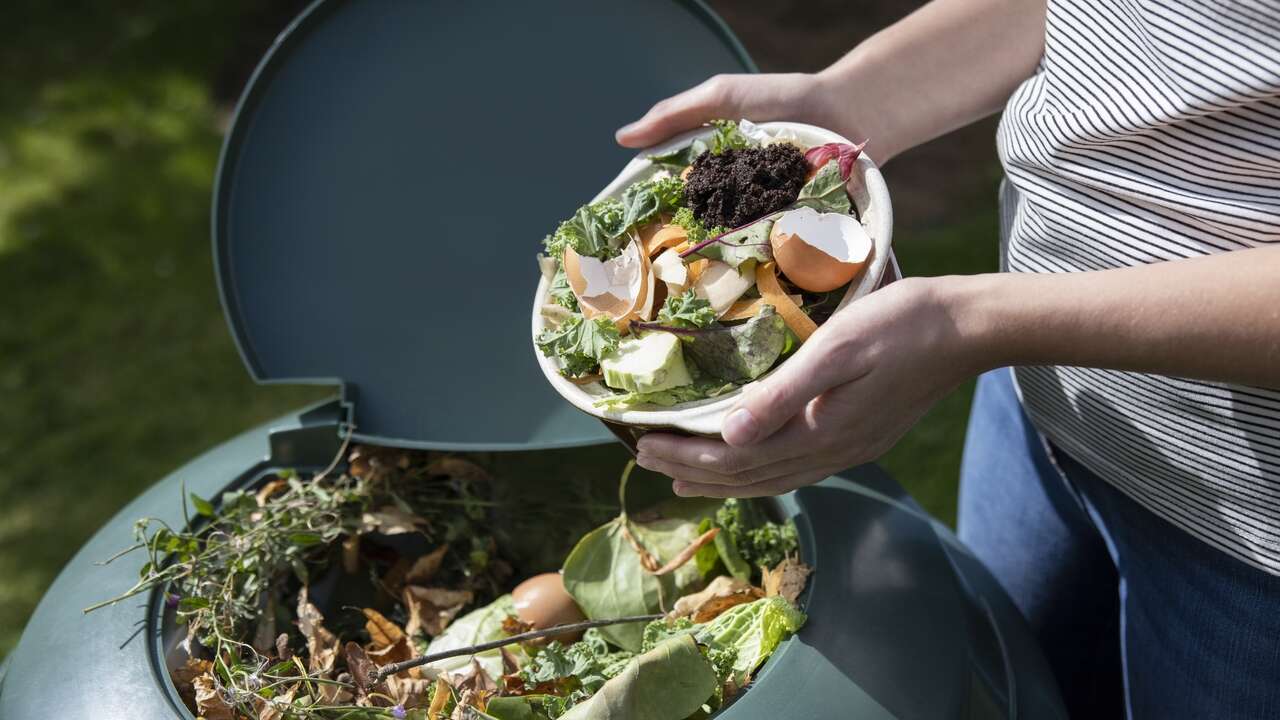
point(620, 288)
point(819, 251)
point(543, 602)
point(721, 285)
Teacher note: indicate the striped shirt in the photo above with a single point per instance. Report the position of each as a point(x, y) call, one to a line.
point(1151, 132)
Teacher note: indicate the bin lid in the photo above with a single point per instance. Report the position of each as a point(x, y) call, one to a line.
point(387, 180)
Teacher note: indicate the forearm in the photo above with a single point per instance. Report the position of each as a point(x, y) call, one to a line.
point(946, 65)
point(1213, 318)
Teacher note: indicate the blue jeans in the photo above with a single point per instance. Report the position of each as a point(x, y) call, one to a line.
point(1137, 618)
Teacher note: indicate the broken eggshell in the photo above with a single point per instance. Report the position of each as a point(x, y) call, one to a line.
point(620, 288)
point(870, 197)
point(819, 252)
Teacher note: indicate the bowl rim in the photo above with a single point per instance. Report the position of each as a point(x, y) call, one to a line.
point(870, 196)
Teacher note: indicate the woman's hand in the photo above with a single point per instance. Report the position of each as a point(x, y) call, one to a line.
point(760, 98)
point(850, 392)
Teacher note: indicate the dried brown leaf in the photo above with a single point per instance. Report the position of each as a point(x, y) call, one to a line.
point(363, 671)
point(210, 703)
point(457, 467)
point(426, 567)
point(322, 645)
point(441, 698)
point(512, 625)
point(409, 692)
point(510, 663)
point(382, 632)
point(184, 675)
point(432, 609)
point(275, 708)
point(271, 488)
point(283, 651)
point(721, 594)
point(787, 579)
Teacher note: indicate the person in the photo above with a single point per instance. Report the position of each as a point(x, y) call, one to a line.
point(1123, 480)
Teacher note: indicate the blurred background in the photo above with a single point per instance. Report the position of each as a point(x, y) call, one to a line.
point(116, 365)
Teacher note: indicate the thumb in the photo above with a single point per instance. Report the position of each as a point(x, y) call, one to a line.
point(685, 111)
point(768, 404)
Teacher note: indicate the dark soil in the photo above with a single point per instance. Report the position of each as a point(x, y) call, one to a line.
point(737, 186)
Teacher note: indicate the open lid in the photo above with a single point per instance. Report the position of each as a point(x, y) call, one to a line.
point(387, 180)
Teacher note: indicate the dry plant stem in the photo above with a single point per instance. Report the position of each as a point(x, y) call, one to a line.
point(388, 670)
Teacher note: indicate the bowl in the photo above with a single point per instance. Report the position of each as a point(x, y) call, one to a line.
point(870, 196)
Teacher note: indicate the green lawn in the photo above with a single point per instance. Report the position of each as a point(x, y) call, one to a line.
point(116, 364)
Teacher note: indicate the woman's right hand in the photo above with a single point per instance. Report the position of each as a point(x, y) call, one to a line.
point(791, 96)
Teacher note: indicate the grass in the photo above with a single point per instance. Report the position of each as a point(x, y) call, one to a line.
point(116, 362)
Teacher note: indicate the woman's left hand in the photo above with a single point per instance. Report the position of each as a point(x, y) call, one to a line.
point(847, 395)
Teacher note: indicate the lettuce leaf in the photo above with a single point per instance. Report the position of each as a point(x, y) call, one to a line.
point(699, 390)
point(478, 626)
point(753, 631)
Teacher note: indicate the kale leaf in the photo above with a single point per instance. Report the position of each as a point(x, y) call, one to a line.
point(728, 137)
point(687, 311)
point(579, 343)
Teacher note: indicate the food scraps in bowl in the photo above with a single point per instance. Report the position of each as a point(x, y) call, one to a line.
point(707, 273)
point(298, 598)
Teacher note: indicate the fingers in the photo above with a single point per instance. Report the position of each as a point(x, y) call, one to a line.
point(794, 442)
point(768, 404)
point(691, 108)
point(775, 486)
point(689, 474)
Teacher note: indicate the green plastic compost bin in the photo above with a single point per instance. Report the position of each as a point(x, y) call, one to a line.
point(382, 192)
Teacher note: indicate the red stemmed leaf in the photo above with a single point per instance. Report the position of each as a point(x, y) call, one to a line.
point(845, 153)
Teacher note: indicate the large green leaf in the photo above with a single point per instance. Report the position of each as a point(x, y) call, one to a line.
point(670, 682)
point(604, 575)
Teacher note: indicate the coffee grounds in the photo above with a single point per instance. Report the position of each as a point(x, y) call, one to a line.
point(738, 186)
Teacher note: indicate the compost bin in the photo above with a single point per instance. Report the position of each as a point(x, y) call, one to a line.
point(386, 166)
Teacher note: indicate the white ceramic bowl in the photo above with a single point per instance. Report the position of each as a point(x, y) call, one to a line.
point(704, 417)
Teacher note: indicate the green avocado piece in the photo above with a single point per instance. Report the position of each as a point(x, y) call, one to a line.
point(645, 364)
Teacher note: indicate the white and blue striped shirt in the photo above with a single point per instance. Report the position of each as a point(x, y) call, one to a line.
point(1152, 132)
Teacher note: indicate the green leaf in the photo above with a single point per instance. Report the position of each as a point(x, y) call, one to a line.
point(739, 353)
point(604, 576)
point(728, 137)
point(826, 191)
point(202, 506)
point(727, 549)
point(579, 343)
point(305, 538)
point(642, 202)
point(188, 604)
point(708, 556)
point(478, 626)
point(739, 246)
point(753, 630)
point(667, 398)
point(670, 682)
point(687, 311)
point(681, 158)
